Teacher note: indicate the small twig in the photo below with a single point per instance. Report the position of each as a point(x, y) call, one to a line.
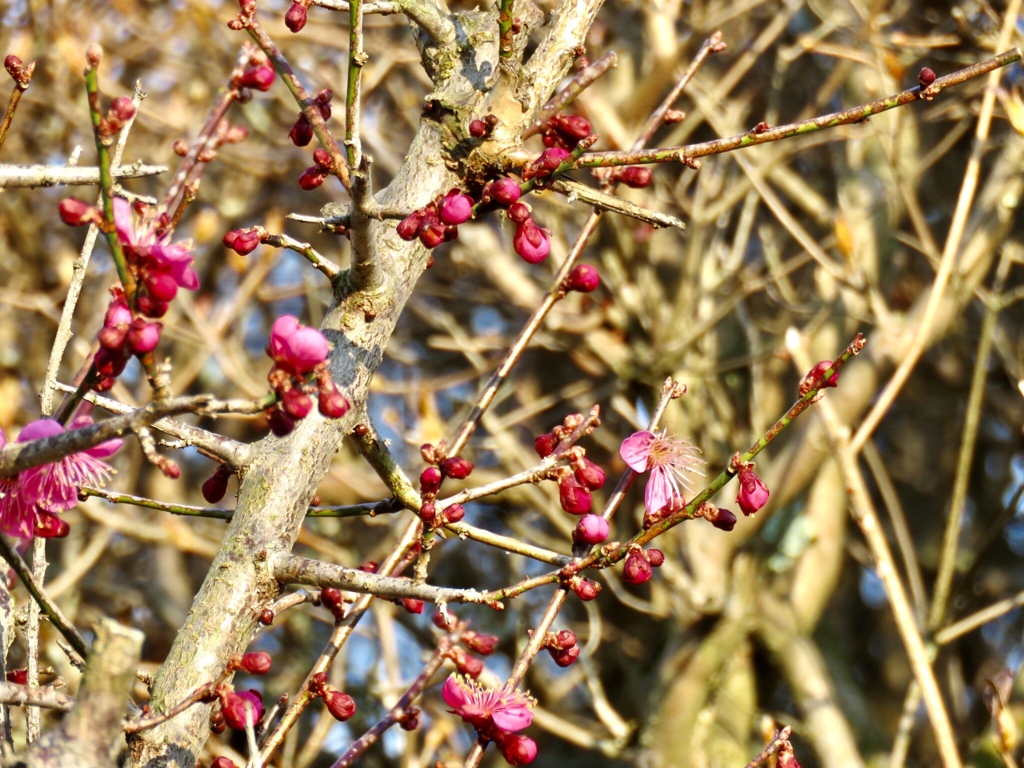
point(582, 80)
point(688, 154)
point(772, 747)
point(79, 267)
point(29, 696)
point(505, 30)
point(713, 44)
point(310, 109)
point(292, 569)
point(201, 693)
point(50, 608)
point(22, 76)
point(383, 7)
point(358, 747)
point(357, 58)
point(374, 449)
point(22, 176)
point(319, 262)
point(602, 201)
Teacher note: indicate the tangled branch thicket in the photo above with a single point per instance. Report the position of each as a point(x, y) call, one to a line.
point(869, 613)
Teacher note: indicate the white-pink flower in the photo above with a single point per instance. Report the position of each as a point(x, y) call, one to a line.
point(670, 461)
point(50, 488)
point(163, 266)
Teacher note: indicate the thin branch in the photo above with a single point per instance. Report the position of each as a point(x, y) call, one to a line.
point(310, 254)
point(28, 696)
point(357, 58)
point(232, 452)
point(309, 108)
point(50, 608)
point(19, 456)
point(602, 201)
point(292, 569)
point(583, 80)
point(21, 176)
point(22, 75)
point(688, 154)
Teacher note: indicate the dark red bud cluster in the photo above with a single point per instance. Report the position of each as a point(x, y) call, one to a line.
point(583, 278)
point(18, 676)
point(314, 176)
point(562, 647)
point(295, 18)
point(409, 720)
point(301, 132)
point(331, 599)
point(722, 519)
point(340, 705)
point(504, 192)
point(480, 129)
point(565, 131)
point(243, 241)
point(122, 109)
point(444, 621)
point(223, 762)
point(121, 337)
point(299, 351)
point(456, 467)
point(639, 563)
point(438, 221)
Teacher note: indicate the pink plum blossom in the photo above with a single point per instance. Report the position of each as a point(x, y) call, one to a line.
point(296, 347)
point(50, 488)
point(162, 267)
point(670, 462)
point(489, 710)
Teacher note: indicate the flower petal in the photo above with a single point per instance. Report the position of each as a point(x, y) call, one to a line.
point(513, 718)
point(660, 489)
point(455, 694)
point(636, 449)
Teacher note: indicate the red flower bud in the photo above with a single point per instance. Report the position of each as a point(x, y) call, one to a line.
point(585, 589)
point(466, 664)
point(724, 520)
point(281, 423)
point(311, 178)
point(477, 128)
point(255, 663)
point(409, 227)
point(297, 403)
point(753, 493)
point(588, 473)
point(456, 208)
point(453, 513)
point(242, 241)
point(142, 337)
point(332, 403)
point(591, 529)
point(583, 278)
point(531, 242)
point(223, 762)
point(322, 159)
point(636, 570)
point(340, 705)
point(519, 213)
point(516, 748)
point(925, 77)
point(428, 513)
point(456, 467)
point(412, 605)
point(505, 191)
point(216, 485)
point(302, 132)
point(295, 18)
point(122, 109)
point(430, 480)
point(634, 176)
point(565, 658)
point(574, 497)
point(655, 557)
point(75, 213)
point(18, 676)
point(242, 708)
point(259, 78)
point(545, 444)
point(331, 599)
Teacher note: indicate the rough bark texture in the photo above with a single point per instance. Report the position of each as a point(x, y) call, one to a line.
point(283, 474)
